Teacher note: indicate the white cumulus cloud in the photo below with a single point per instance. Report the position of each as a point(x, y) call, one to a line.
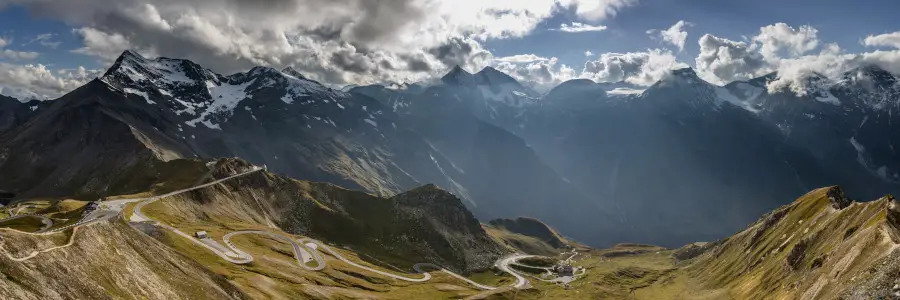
point(521, 58)
point(638, 68)
point(36, 81)
point(780, 40)
point(883, 40)
point(675, 35)
point(580, 27)
point(722, 60)
point(541, 73)
point(334, 41)
point(597, 10)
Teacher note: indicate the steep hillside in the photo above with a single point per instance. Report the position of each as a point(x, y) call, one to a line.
point(426, 224)
point(14, 113)
point(362, 241)
point(104, 261)
point(528, 235)
point(82, 145)
point(503, 173)
point(820, 247)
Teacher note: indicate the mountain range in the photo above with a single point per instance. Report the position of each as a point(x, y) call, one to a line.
point(682, 161)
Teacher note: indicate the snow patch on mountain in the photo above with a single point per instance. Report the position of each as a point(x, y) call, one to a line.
point(624, 91)
point(287, 98)
point(225, 98)
point(139, 93)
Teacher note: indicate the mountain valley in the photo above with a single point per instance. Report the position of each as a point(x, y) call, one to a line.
point(162, 179)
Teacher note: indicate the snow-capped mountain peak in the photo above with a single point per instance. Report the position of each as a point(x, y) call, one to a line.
point(203, 97)
point(133, 69)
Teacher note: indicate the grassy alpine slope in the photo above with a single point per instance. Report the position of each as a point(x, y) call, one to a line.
point(821, 246)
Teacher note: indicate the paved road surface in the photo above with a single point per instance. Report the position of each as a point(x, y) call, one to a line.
point(300, 252)
point(503, 264)
point(304, 251)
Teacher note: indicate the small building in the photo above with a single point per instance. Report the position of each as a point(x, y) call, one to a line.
point(90, 207)
point(201, 235)
point(564, 271)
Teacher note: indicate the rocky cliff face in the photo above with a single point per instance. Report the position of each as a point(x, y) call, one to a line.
point(81, 146)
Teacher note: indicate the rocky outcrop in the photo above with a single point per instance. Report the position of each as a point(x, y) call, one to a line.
point(795, 258)
point(892, 214)
point(837, 198)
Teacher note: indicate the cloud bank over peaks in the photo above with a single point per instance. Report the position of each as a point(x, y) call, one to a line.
point(333, 41)
point(638, 68)
point(539, 72)
point(794, 53)
point(27, 82)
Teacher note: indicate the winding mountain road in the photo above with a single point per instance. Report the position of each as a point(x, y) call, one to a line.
point(503, 265)
point(303, 248)
point(299, 250)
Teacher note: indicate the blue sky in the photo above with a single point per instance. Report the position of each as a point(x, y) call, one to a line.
point(433, 35)
point(19, 27)
point(836, 21)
